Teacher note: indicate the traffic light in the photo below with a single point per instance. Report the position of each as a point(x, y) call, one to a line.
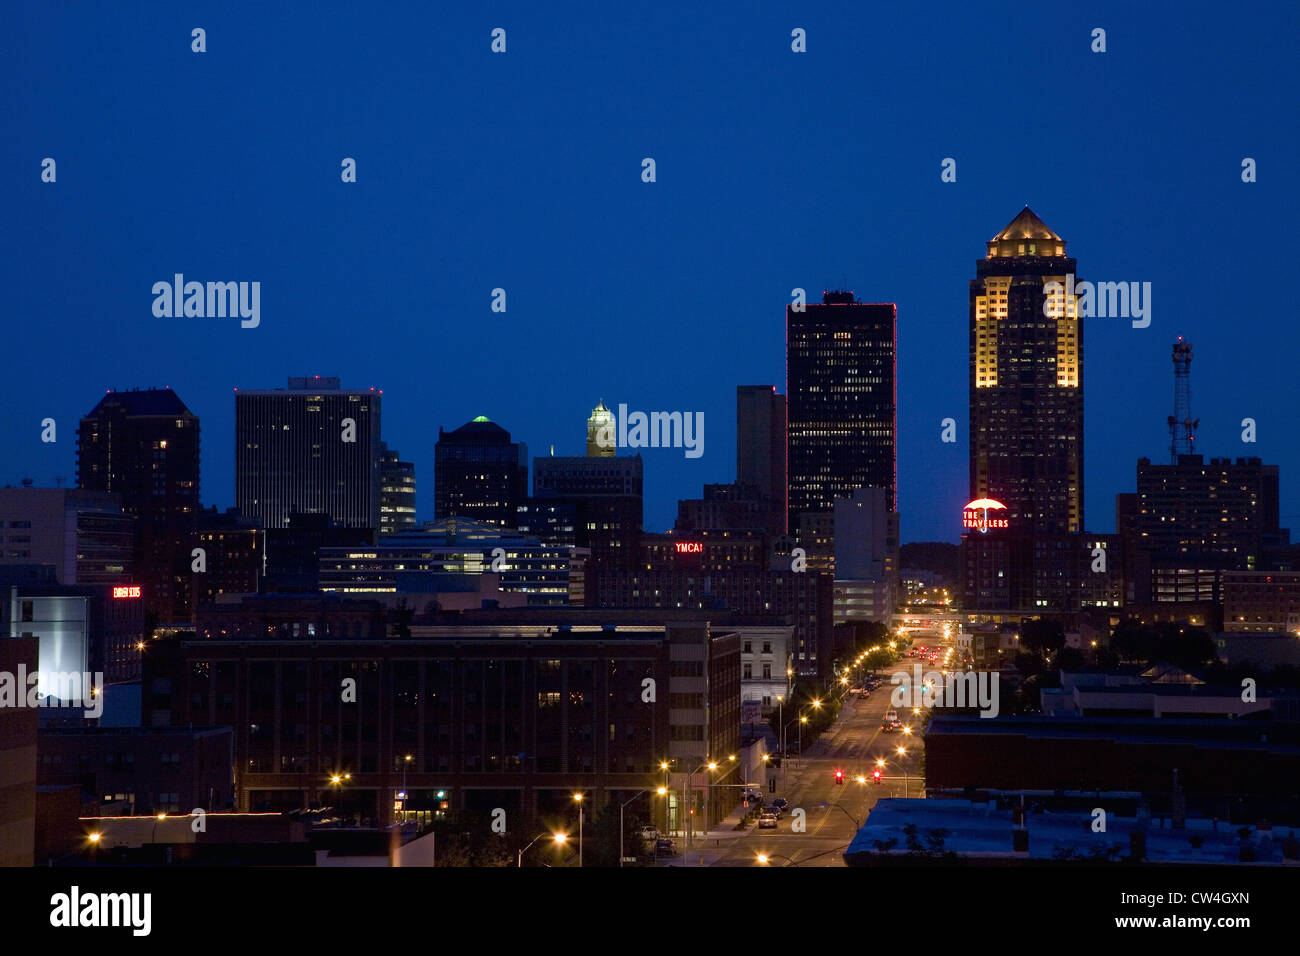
point(875, 775)
point(839, 776)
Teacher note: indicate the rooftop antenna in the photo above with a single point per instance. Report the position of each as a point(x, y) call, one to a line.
point(1182, 427)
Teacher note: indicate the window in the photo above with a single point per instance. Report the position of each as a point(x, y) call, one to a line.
point(767, 647)
point(28, 610)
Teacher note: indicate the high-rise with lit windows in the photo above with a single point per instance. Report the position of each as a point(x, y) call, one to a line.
point(842, 401)
point(311, 448)
point(1026, 381)
point(143, 444)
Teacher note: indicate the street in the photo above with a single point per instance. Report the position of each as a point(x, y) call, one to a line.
point(832, 812)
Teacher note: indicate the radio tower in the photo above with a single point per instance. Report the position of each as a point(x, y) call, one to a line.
point(1182, 427)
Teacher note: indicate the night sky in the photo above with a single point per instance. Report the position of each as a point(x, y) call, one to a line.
point(523, 171)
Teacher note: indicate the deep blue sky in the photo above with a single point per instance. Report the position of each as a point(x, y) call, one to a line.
point(522, 170)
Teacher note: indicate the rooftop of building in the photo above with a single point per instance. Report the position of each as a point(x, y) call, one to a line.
point(977, 829)
point(149, 401)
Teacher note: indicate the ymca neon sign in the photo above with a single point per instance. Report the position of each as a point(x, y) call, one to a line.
point(689, 547)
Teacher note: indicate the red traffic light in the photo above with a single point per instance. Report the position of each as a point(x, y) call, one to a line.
point(875, 775)
point(839, 776)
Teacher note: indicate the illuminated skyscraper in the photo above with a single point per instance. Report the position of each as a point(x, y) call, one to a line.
point(842, 399)
point(1026, 381)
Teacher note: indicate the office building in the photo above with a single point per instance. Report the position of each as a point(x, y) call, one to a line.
point(144, 446)
point(842, 401)
point(1192, 521)
point(84, 535)
point(761, 450)
point(1026, 381)
point(479, 473)
point(234, 555)
point(606, 493)
point(866, 557)
point(396, 491)
point(497, 709)
point(312, 447)
point(413, 561)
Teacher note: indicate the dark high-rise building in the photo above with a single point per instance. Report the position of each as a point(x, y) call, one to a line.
point(310, 448)
point(396, 491)
point(479, 473)
point(293, 552)
point(842, 399)
point(1192, 521)
point(607, 497)
point(234, 555)
point(761, 449)
point(1026, 381)
point(144, 446)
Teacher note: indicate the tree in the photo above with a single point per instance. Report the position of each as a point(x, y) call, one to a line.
point(1069, 658)
point(1042, 637)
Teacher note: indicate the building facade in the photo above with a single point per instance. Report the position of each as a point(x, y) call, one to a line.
point(396, 491)
point(312, 447)
point(479, 473)
point(761, 451)
point(144, 446)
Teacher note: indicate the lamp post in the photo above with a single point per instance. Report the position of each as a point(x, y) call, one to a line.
point(661, 791)
point(836, 806)
point(559, 841)
point(578, 799)
point(708, 794)
point(406, 762)
point(780, 719)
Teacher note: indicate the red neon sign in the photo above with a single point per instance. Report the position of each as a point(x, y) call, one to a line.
point(689, 547)
point(976, 515)
point(127, 591)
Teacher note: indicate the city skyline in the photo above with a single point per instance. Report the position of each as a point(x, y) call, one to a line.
point(383, 280)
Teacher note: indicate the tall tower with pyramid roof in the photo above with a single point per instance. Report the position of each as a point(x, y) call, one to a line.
point(1026, 391)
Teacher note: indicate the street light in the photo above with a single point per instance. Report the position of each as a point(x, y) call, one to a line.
point(902, 752)
point(406, 762)
point(836, 806)
point(660, 791)
point(780, 719)
point(763, 858)
point(559, 841)
point(578, 798)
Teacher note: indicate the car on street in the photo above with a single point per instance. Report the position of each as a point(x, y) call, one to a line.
point(767, 821)
point(781, 803)
point(665, 847)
